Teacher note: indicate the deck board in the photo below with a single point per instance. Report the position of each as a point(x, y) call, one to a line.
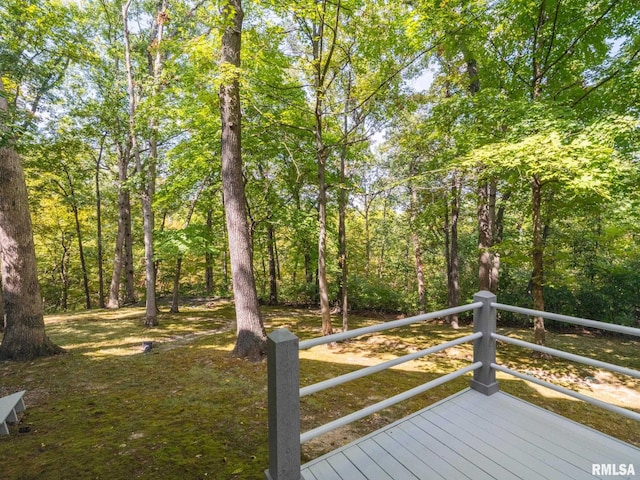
point(470, 435)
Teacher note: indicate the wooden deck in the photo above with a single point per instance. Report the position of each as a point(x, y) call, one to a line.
point(473, 436)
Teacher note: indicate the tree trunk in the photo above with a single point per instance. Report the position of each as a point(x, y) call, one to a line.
point(129, 273)
point(251, 335)
point(101, 303)
point(24, 336)
point(83, 263)
point(485, 230)
point(124, 219)
point(453, 270)
point(208, 258)
point(1, 303)
point(342, 221)
point(175, 297)
point(273, 274)
point(537, 277)
point(417, 251)
point(64, 273)
point(148, 173)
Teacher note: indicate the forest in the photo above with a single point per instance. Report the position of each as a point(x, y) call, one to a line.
point(348, 155)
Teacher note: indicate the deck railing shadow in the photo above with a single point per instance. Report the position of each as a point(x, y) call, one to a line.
point(284, 392)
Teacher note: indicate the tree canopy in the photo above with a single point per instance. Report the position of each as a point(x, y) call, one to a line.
point(395, 155)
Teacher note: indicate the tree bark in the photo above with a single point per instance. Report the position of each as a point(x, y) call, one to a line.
point(208, 258)
point(83, 263)
point(453, 269)
point(118, 255)
point(101, 302)
point(537, 277)
point(24, 336)
point(251, 335)
point(417, 251)
point(485, 232)
point(342, 219)
point(273, 273)
point(1, 303)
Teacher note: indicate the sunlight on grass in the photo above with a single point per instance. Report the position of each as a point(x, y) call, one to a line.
point(107, 410)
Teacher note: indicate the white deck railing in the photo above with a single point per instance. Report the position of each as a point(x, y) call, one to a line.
point(283, 374)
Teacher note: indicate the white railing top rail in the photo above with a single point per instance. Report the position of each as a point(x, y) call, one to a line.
point(339, 337)
point(612, 327)
point(568, 356)
point(363, 372)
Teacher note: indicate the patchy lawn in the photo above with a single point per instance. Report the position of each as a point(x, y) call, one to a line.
point(186, 409)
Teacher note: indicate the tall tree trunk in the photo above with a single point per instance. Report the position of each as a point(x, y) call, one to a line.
point(127, 245)
point(537, 277)
point(123, 217)
point(273, 274)
point(321, 64)
point(417, 250)
point(225, 249)
point(24, 335)
point(342, 218)
point(147, 172)
point(1, 302)
point(83, 263)
point(208, 258)
point(323, 284)
point(175, 297)
point(453, 268)
point(485, 233)
point(24, 332)
point(251, 335)
point(64, 273)
point(101, 302)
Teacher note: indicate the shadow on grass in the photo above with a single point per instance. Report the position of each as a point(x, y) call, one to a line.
point(190, 410)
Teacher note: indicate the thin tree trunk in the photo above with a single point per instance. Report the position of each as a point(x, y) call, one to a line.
point(83, 263)
point(417, 250)
point(485, 230)
point(118, 256)
point(175, 297)
point(321, 63)
point(273, 274)
point(148, 173)
point(251, 335)
point(342, 223)
point(101, 302)
point(64, 274)
point(208, 258)
point(129, 273)
point(537, 277)
point(225, 249)
point(453, 277)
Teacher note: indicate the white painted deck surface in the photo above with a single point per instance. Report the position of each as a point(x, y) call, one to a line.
point(473, 436)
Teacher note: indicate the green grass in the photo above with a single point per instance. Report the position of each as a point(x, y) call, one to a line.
point(187, 409)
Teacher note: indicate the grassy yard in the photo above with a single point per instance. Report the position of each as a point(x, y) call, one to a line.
point(186, 409)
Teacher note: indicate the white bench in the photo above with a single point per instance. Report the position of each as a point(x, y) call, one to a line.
point(9, 408)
